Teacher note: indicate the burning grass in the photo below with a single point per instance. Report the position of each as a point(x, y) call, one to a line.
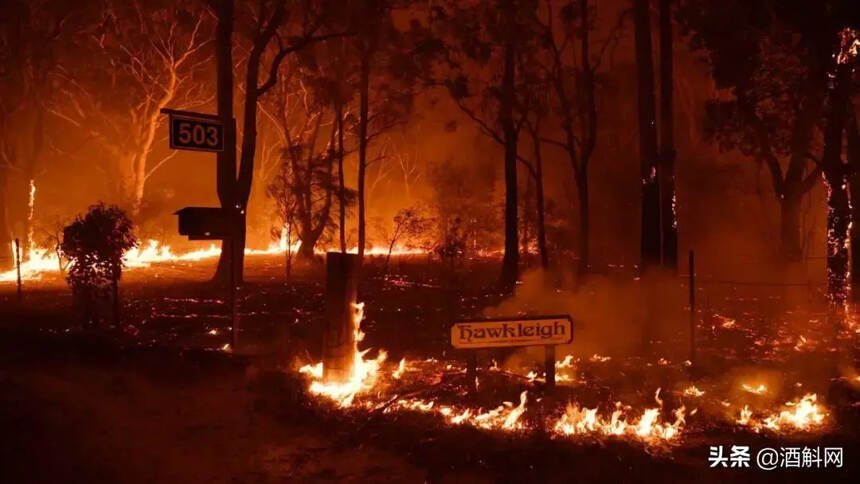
point(602, 396)
point(39, 261)
point(803, 414)
point(438, 388)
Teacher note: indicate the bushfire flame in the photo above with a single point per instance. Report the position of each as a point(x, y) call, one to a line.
point(38, 261)
point(648, 427)
point(363, 375)
point(803, 414)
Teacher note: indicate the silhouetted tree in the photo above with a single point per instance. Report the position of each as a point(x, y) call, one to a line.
point(836, 171)
point(792, 94)
point(852, 134)
point(668, 220)
point(648, 158)
point(762, 57)
point(572, 71)
point(274, 32)
point(386, 78)
point(410, 226)
point(95, 244)
point(303, 117)
point(485, 43)
point(535, 171)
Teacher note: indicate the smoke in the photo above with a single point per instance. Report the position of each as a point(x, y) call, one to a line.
point(612, 315)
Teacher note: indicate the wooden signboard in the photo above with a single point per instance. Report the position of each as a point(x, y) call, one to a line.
point(538, 331)
point(546, 331)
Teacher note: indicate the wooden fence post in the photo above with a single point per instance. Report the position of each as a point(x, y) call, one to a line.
point(18, 268)
point(339, 335)
point(549, 361)
point(692, 283)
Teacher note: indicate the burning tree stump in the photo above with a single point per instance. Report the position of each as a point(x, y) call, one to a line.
point(339, 336)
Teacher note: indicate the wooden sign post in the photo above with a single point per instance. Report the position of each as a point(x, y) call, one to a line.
point(546, 331)
point(205, 132)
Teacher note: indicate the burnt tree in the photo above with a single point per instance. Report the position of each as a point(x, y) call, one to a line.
point(666, 172)
point(271, 22)
point(648, 157)
point(852, 134)
point(483, 43)
point(768, 61)
point(571, 71)
point(836, 171)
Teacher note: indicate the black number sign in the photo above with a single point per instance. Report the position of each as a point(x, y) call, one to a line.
point(192, 133)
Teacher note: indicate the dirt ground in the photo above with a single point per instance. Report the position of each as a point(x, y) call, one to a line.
point(156, 401)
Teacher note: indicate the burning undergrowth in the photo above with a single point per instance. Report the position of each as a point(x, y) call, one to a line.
point(656, 401)
point(593, 401)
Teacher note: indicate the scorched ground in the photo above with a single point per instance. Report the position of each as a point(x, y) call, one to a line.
point(164, 397)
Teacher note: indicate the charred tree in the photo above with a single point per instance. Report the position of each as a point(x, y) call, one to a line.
point(853, 151)
point(341, 193)
point(838, 206)
point(487, 84)
point(666, 171)
point(796, 183)
point(363, 112)
point(535, 175)
point(836, 173)
point(540, 209)
point(527, 221)
point(6, 259)
point(266, 30)
point(386, 83)
point(510, 133)
point(226, 159)
point(574, 86)
point(772, 96)
point(648, 158)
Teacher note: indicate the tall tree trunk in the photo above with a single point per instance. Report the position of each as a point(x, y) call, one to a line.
point(306, 248)
point(796, 183)
point(853, 142)
point(288, 253)
point(364, 93)
point(29, 170)
point(510, 262)
point(835, 177)
point(584, 221)
point(651, 232)
point(7, 261)
point(226, 159)
point(30, 218)
point(668, 221)
point(150, 125)
point(527, 222)
point(590, 139)
point(541, 221)
point(341, 193)
point(789, 231)
point(138, 183)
